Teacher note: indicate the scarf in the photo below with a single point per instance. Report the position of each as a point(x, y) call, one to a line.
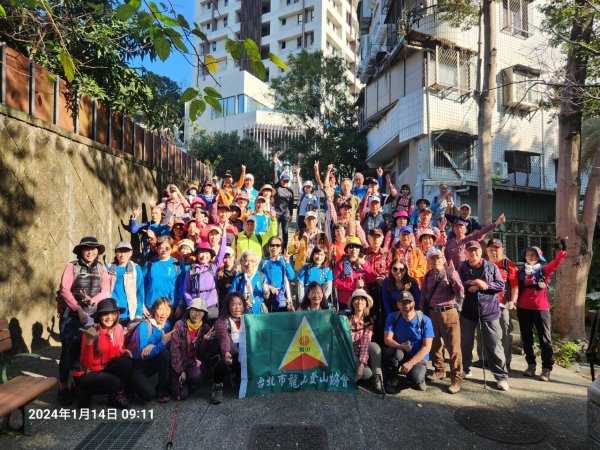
point(191, 326)
point(530, 269)
point(154, 324)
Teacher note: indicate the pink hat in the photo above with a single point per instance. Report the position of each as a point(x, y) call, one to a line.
point(205, 247)
point(400, 214)
point(198, 201)
point(243, 195)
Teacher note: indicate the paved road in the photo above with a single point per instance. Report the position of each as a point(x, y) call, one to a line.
point(410, 419)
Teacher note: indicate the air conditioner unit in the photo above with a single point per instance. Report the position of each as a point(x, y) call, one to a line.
point(500, 169)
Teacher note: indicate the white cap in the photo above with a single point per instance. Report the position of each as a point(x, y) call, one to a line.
point(249, 175)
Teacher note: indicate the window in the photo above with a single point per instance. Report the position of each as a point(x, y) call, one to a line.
point(309, 39)
point(214, 46)
point(228, 106)
point(299, 42)
point(241, 100)
point(288, 2)
point(299, 17)
point(403, 161)
point(451, 68)
point(515, 17)
point(225, 2)
point(282, 45)
point(453, 150)
point(208, 5)
point(225, 21)
point(524, 168)
point(283, 22)
point(310, 15)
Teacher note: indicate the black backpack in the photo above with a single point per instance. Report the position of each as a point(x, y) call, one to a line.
point(593, 351)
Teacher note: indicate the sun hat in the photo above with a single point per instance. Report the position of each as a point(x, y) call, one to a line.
point(107, 305)
point(199, 304)
point(205, 247)
point(124, 245)
point(362, 293)
point(89, 241)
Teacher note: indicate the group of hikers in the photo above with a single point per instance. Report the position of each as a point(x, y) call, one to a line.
point(415, 279)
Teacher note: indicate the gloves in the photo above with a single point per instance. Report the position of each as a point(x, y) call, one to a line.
point(560, 244)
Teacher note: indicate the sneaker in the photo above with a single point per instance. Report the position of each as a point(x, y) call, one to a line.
point(530, 372)
point(437, 375)
point(467, 373)
point(216, 394)
point(545, 376)
point(391, 385)
point(420, 387)
point(378, 384)
point(454, 388)
point(120, 400)
point(163, 398)
point(65, 397)
point(502, 385)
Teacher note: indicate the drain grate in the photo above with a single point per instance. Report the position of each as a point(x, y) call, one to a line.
point(283, 437)
point(114, 436)
point(501, 425)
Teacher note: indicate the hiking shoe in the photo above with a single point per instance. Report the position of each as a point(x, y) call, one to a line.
point(119, 400)
point(163, 398)
point(502, 385)
point(545, 375)
point(454, 388)
point(378, 384)
point(467, 373)
point(530, 371)
point(65, 397)
point(216, 394)
point(437, 375)
point(420, 387)
point(392, 385)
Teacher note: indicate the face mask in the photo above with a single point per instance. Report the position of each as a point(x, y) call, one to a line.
point(193, 192)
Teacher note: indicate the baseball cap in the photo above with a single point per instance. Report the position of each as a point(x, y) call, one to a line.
point(375, 232)
point(229, 251)
point(472, 244)
point(494, 243)
point(405, 296)
point(310, 214)
point(433, 252)
point(406, 229)
point(459, 222)
point(124, 245)
point(250, 218)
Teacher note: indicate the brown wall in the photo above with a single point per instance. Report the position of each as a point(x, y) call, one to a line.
point(57, 186)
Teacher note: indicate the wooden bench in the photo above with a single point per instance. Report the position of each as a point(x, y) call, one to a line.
point(18, 392)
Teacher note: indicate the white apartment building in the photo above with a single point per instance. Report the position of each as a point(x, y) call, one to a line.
point(282, 27)
point(420, 115)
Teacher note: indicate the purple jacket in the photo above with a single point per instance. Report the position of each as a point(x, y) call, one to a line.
point(446, 291)
point(454, 250)
point(484, 303)
point(180, 346)
point(201, 281)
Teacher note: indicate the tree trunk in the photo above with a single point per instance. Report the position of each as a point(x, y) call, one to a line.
point(571, 279)
point(486, 101)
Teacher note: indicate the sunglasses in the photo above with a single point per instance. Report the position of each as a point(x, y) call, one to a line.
point(398, 269)
point(275, 245)
point(178, 227)
point(353, 246)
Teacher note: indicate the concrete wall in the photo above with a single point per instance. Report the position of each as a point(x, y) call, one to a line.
point(56, 187)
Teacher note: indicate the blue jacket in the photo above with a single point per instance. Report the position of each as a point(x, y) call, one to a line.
point(481, 303)
point(155, 339)
point(239, 285)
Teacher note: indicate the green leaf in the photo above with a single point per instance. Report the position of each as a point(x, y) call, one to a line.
point(234, 48)
point(197, 108)
point(168, 21)
point(200, 34)
point(68, 66)
point(252, 49)
point(259, 69)
point(145, 20)
point(278, 61)
point(183, 22)
point(162, 47)
point(212, 92)
point(2, 11)
point(189, 94)
point(214, 103)
point(211, 63)
point(94, 6)
point(127, 10)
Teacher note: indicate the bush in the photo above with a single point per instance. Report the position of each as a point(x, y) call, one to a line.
point(567, 354)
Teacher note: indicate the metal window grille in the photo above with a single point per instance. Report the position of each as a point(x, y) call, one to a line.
point(453, 151)
point(515, 17)
point(451, 68)
point(524, 168)
point(524, 89)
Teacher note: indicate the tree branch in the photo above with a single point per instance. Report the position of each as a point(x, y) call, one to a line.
point(592, 198)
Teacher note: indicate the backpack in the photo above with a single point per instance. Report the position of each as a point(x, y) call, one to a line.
point(538, 276)
point(132, 334)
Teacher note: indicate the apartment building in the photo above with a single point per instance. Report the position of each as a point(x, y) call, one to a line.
point(419, 112)
point(282, 27)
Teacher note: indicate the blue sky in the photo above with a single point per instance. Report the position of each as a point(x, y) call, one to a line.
point(175, 67)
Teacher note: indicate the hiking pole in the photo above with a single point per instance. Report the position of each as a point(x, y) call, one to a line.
point(169, 444)
point(482, 342)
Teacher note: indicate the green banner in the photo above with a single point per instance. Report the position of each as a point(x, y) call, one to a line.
point(293, 351)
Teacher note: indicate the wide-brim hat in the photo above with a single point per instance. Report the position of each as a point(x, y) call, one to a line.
point(242, 196)
point(205, 247)
point(107, 305)
point(199, 304)
point(427, 232)
point(235, 206)
point(352, 240)
point(89, 241)
point(190, 187)
point(269, 187)
point(186, 243)
point(538, 251)
point(364, 294)
point(402, 213)
point(427, 202)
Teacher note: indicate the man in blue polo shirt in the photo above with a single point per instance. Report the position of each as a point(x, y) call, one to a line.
point(408, 337)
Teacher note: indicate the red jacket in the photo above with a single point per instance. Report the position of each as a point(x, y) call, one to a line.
point(510, 278)
point(346, 285)
point(537, 299)
point(103, 348)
